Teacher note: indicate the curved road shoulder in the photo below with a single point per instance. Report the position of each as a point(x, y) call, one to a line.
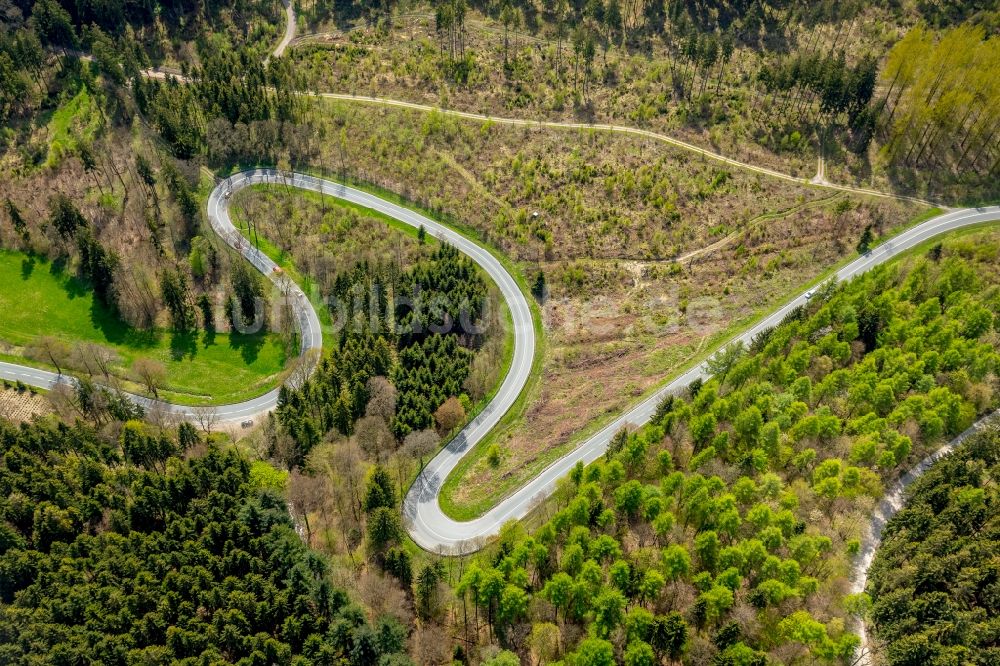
point(893, 501)
point(307, 322)
point(290, 28)
point(433, 530)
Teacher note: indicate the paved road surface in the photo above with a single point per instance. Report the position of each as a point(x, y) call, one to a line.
point(308, 321)
point(290, 26)
point(435, 531)
point(304, 315)
point(893, 501)
point(427, 524)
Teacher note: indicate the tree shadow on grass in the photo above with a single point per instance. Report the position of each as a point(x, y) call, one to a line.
point(72, 285)
point(208, 338)
point(183, 345)
point(118, 332)
point(113, 329)
point(248, 345)
point(28, 267)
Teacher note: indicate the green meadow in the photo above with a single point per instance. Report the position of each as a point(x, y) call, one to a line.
point(39, 297)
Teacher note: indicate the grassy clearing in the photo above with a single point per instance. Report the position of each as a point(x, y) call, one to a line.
point(74, 122)
point(202, 368)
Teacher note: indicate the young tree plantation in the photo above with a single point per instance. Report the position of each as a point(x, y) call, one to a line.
point(362, 333)
point(723, 532)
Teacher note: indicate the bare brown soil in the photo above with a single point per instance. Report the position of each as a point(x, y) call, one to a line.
point(21, 406)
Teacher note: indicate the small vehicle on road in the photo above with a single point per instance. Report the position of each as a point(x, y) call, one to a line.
point(810, 294)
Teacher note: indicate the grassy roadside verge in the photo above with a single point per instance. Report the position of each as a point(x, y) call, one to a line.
point(496, 492)
point(166, 393)
point(201, 368)
point(283, 260)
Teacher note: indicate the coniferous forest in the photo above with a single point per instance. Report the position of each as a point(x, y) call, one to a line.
point(123, 553)
point(935, 582)
point(427, 365)
point(725, 531)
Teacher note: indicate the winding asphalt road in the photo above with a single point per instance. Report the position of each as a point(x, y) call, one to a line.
point(289, 35)
point(428, 525)
point(306, 320)
point(435, 531)
point(426, 522)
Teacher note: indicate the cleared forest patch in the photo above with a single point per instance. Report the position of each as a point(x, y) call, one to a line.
point(21, 405)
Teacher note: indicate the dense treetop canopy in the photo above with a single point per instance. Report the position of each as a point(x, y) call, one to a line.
point(133, 555)
point(935, 581)
point(425, 346)
point(727, 526)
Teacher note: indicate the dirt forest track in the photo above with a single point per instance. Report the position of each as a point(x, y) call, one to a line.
point(427, 524)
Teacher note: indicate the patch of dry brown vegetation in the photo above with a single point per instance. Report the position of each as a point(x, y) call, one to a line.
point(610, 343)
point(21, 406)
point(631, 83)
point(554, 194)
point(649, 254)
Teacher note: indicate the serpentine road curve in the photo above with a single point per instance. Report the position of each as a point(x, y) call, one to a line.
point(426, 522)
point(305, 316)
point(435, 531)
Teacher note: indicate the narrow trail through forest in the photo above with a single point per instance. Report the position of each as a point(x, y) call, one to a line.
point(426, 522)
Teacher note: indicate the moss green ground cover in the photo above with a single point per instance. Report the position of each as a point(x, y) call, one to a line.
point(75, 120)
